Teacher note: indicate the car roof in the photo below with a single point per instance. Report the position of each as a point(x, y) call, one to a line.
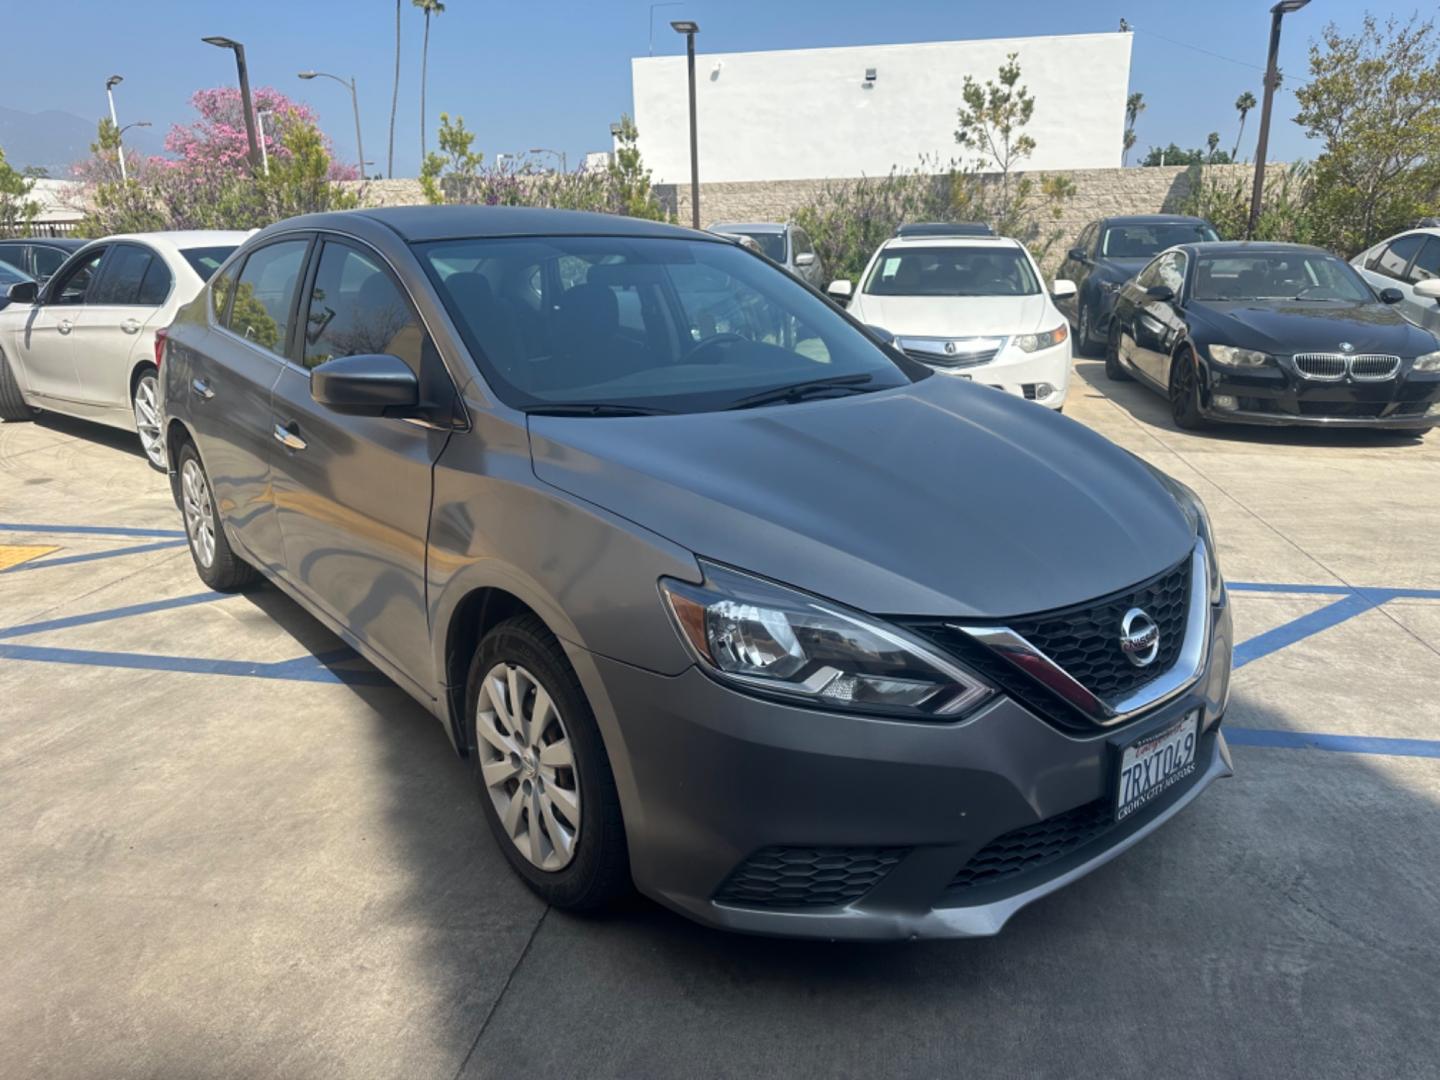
point(749, 226)
point(951, 241)
point(63, 243)
point(1154, 219)
point(1249, 247)
point(420, 223)
point(187, 238)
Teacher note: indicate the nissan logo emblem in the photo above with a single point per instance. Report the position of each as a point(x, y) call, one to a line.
point(1139, 638)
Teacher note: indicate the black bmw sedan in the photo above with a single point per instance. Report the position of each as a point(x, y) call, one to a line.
point(1261, 333)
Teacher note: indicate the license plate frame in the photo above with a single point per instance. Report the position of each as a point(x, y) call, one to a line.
point(1143, 787)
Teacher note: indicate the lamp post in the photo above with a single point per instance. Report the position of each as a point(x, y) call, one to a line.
point(559, 156)
point(354, 104)
point(264, 154)
point(1272, 79)
point(110, 84)
point(690, 29)
point(244, 74)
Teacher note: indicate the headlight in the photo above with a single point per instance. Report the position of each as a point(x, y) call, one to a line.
point(1199, 518)
point(769, 639)
point(1429, 362)
point(1230, 356)
point(1049, 339)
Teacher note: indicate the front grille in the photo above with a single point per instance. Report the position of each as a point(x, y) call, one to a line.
point(805, 877)
point(1331, 367)
point(941, 360)
point(965, 352)
point(1033, 846)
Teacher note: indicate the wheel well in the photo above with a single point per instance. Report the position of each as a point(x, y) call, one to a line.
point(176, 436)
point(140, 369)
point(474, 617)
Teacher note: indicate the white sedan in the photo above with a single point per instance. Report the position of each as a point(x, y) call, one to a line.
point(971, 307)
point(84, 343)
point(1409, 262)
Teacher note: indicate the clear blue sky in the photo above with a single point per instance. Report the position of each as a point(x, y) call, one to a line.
point(555, 73)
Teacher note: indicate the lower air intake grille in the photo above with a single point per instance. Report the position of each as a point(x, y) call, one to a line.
point(800, 877)
point(1033, 846)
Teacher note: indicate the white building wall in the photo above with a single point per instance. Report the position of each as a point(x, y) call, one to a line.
point(809, 113)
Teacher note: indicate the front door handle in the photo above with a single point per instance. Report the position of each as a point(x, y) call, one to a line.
point(131, 326)
point(201, 388)
point(63, 326)
point(289, 437)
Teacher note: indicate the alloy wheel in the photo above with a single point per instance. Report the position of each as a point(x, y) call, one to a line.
point(528, 766)
point(147, 419)
point(199, 512)
point(1083, 331)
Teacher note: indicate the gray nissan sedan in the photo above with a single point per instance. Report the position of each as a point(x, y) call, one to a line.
point(722, 597)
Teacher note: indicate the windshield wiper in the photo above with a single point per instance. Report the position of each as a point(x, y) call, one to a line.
point(595, 408)
point(801, 390)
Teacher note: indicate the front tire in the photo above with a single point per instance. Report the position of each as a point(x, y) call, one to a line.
point(541, 769)
point(218, 566)
point(1114, 369)
point(1185, 394)
point(1085, 332)
point(12, 403)
point(145, 403)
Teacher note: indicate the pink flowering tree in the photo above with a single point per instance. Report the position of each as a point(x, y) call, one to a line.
point(218, 141)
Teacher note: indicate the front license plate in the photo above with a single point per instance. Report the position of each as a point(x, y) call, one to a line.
point(1154, 764)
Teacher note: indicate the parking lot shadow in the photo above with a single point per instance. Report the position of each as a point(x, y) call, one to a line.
point(101, 434)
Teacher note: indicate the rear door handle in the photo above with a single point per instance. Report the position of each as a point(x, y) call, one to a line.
point(201, 388)
point(289, 437)
point(131, 326)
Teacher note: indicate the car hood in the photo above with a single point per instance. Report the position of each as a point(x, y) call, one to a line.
point(1286, 327)
point(954, 316)
point(938, 498)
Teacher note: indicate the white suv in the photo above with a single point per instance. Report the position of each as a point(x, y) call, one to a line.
point(974, 307)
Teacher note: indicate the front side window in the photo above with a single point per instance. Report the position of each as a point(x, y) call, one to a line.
point(1427, 263)
point(1285, 275)
point(1146, 239)
point(72, 288)
point(264, 292)
point(1397, 255)
point(125, 270)
point(662, 324)
point(356, 308)
point(952, 271)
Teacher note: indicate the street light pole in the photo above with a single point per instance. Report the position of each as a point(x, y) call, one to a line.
point(110, 85)
point(264, 154)
point(244, 74)
point(559, 156)
point(690, 29)
point(354, 104)
point(1272, 80)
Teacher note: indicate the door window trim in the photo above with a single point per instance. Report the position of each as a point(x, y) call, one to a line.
point(1375, 267)
point(55, 285)
point(218, 324)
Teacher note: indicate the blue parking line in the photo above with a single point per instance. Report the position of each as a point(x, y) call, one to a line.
point(300, 669)
point(1343, 744)
point(93, 556)
point(88, 530)
point(113, 613)
point(1333, 590)
point(1306, 625)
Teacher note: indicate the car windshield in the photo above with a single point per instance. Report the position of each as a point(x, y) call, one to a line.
point(772, 244)
point(952, 271)
point(9, 275)
point(1283, 275)
point(1142, 240)
point(206, 260)
point(646, 324)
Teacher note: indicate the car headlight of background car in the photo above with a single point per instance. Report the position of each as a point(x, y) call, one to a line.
point(1429, 362)
point(1234, 357)
point(1047, 340)
point(763, 637)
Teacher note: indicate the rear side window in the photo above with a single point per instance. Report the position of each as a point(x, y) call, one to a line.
point(1392, 261)
point(155, 288)
point(124, 271)
point(356, 308)
point(1427, 263)
point(206, 260)
point(265, 293)
point(47, 261)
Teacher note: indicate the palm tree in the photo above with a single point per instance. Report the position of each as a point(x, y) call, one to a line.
point(1243, 104)
point(1212, 143)
point(394, 98)
point(429, 7)
point(1134, 106)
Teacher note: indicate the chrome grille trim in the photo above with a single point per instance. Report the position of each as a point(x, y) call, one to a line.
point(968, 352)
point(1332, 367)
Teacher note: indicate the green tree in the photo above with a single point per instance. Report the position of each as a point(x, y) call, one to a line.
point(452, 174)
point(429, 7)
point(1134, 106)
point(1374, 100)
point(1177, 155)
point(17, 209)
point(630, 189)
point(1243, 104)
point(993, 123)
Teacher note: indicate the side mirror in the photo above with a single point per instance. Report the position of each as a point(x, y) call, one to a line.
point(1391, 295)
point(805, 258)
point(1062, 289)
point(1163, 293)
point(1429, 288)
point(840, 290)
point(367, 385)
point(1076, 255)
point(22, 292)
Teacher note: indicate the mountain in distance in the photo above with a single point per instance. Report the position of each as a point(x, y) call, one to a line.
point(54, 140)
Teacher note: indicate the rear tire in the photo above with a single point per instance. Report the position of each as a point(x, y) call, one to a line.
point(541, 766)
point(1185, 394)
point(12, 403)
point(145, 405)
point(1114, 369)
point(218, 566)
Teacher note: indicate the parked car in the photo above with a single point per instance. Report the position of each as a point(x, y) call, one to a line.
point(10, 275)
point(945, 228)
point(749, 243)
point(1409, 262)
point(84, 343)
point(786, 245)
point(1110, 252)
point(1262, 333)
point(971, 307)
point(39, 256)
point(633, 558)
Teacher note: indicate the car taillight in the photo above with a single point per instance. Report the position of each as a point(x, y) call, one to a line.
point(160, 336)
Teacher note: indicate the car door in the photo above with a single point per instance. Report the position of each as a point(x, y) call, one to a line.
point(229, 394)
point(108, 327)
point(1155, 322)
point(43, 345)
point(1425, 266)
point(353, 492)
point(1077, 269)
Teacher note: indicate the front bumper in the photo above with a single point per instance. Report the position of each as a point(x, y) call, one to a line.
point(1277, 396)
point(1021, 373)
point(710, 777)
